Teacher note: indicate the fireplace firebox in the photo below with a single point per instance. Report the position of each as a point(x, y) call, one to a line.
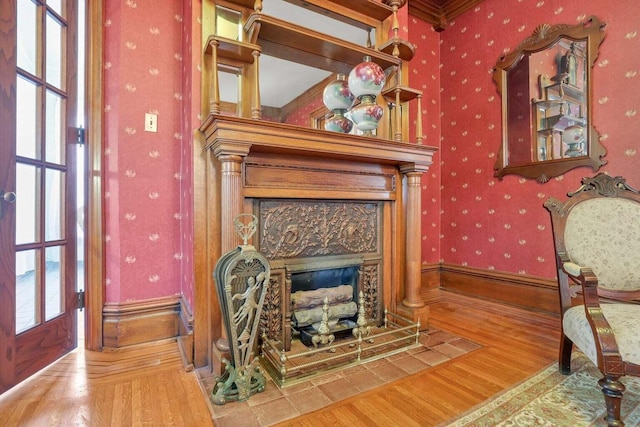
point(321, 283)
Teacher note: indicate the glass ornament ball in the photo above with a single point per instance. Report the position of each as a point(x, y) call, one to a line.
point(366, 78)
point(336, 95)
point(367, 114)
point(338, 123)
point(573, 134)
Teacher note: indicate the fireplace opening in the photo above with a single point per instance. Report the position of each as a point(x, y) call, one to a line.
point(350, 290)
point(328, 295)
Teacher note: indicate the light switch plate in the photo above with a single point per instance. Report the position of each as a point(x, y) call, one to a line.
point(151, 122)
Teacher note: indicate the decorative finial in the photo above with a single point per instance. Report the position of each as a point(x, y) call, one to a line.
point(245, 229)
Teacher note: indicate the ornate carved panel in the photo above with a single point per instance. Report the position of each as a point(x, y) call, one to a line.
point(300, 231)
point(272, 314)
point(371, 290)
point(292, 229)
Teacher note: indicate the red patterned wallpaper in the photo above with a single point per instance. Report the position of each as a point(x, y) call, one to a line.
point(191, 84)
point(424, 75)
point(502, 225)
point(152, 64)
point(143, 171)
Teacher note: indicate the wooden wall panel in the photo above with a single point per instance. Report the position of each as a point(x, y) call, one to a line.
point(137, 322)
point(528, 292)
point(185, 334)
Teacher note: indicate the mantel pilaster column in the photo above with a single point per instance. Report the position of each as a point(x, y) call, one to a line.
point(231, 158)
point(232, 194)
point(413, 229)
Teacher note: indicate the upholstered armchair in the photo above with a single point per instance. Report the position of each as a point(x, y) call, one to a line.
point(597, 243)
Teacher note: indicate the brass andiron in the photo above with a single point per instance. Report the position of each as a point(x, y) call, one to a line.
point(242, 277)
point(363, 329)
point(324, 335)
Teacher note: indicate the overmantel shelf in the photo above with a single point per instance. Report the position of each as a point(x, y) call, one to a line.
point(222, 131)
point(232, 49)
point(361, 13)
point(286, 40)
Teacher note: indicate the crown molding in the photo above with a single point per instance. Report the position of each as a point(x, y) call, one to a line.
point(440, 13)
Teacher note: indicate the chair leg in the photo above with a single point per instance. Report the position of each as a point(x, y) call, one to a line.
point(566, 346)
point(612, 389)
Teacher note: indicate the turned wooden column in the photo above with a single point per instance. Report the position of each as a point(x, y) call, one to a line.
point(419, 121)
point(413, 227)
point(214, 96)
point(256, 108)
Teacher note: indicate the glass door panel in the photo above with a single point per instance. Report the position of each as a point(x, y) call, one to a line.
point(27, 119)
point(55, 148)
point(54, 43)
point(54, 282)
point(55, 5)
point(27, 294)
point(27, 204)
point(54, 209)
point(27, 38)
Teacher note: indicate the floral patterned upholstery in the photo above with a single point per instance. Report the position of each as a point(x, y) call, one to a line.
point(611, 226)
point(624, 320)
point(597, 240)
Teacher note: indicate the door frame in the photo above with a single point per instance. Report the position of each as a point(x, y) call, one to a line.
point(94, 238)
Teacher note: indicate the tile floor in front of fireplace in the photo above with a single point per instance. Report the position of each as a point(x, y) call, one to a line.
point(275, 405)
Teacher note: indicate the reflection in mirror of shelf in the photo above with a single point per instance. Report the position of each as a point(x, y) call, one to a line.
point(337, 97)
point(562, 102)
point(545, 85)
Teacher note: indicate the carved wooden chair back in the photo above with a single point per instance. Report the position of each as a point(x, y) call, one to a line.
point(597, 243)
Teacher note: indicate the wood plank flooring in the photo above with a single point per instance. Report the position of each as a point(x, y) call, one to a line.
point(516, 345)
point(147, 385)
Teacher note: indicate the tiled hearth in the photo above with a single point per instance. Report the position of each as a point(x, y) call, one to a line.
point(275, 405)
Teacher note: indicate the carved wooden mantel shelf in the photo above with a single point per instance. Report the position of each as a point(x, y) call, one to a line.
point(241, 162)
point(225, 134)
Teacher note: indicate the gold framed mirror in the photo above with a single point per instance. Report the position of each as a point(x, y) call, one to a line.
point(545, 86)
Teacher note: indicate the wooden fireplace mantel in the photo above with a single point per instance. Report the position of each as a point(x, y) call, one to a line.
point(242, 160)
point(239, 135)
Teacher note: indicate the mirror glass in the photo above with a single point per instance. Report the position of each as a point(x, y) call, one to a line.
point(545, 86)
point(228, 23)
point(280, 95)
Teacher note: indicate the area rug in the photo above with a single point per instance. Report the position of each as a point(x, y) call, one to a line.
point(552, 399)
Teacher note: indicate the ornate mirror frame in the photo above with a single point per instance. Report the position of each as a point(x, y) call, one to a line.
point(525, 113)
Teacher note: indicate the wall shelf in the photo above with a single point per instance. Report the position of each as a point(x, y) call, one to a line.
point(405, 49)
point(289, 41)
point(406, 94)
point(360, 13)
point(232, 49)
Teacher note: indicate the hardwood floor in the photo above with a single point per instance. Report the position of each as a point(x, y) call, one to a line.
point(147, 385)
point(516, 344)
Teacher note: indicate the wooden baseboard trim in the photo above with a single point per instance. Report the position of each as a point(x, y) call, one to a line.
point(138, 322)
point(533, 293)
point(185, 334)
point(430, 277)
